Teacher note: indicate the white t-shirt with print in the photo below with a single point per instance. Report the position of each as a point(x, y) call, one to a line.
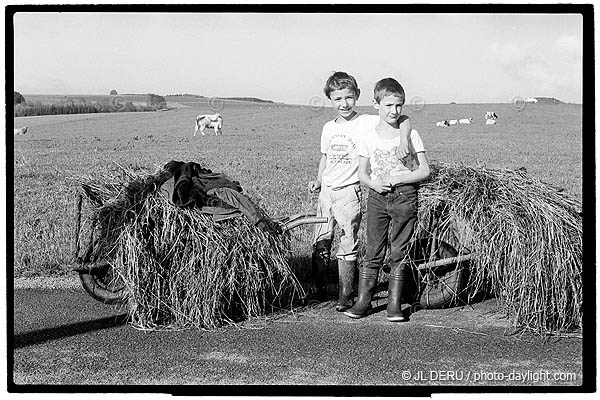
point(383, 154)
point(339, 142)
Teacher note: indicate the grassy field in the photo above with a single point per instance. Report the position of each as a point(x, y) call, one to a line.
point(175, 100)
point(272, 150)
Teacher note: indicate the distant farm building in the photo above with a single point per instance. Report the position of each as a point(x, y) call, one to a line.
point(543, 100)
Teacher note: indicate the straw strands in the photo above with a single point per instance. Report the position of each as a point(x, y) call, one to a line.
point(525, 238)
point(180, 268)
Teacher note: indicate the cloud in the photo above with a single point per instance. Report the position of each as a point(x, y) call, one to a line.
point(537, 72)
point(570, 43)
point(554, 73)
point(508, 53)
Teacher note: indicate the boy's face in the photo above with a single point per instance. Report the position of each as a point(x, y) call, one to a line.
point(390, 108)
point(344, 100)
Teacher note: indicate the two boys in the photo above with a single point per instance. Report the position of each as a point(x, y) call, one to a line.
point(350, 145)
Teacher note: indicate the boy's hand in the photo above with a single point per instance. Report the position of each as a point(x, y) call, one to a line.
point(387, 180)
point(381, 186)
point(402, 150)
point(314, 186)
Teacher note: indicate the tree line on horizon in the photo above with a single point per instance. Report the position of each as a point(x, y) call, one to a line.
point(113, 103)
point(198, 96)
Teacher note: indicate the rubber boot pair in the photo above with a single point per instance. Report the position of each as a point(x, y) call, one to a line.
point(396, 281)
point(367, 283)
point(320, 263)
point(345, 282)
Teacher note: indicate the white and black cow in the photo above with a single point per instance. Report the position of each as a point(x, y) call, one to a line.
point(214, 121)
point(21, 131)
point(442, 123)
point(491, 115)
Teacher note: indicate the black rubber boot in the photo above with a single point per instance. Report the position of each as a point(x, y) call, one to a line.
point(345, 282)
point(394, 306)
point(367, 282)
point(320, 263)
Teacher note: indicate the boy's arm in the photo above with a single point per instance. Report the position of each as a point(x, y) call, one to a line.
point(315, 185)
point(418, 175)
point(377, 185)
point(405, 129)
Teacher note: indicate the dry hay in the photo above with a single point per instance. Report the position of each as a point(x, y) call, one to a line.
point(525, 238)
point(184, 270)
point(180, 268)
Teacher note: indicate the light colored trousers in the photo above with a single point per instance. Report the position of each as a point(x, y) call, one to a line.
point(342, 207)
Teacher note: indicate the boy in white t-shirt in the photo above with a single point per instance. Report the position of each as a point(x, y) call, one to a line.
point(396, 166)
point(340, 193)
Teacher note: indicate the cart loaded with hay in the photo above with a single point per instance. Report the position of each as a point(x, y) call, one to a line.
point(186, 248)
point(182, 247)
point(524, 239)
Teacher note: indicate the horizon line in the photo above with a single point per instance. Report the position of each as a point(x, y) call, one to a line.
point(235, 98)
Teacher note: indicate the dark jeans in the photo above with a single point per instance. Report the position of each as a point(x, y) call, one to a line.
point(392, 215)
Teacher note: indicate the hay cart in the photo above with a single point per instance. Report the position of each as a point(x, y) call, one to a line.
point(439, 271)
point(97, 275)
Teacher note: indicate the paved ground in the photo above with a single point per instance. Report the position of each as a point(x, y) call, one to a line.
point(65, 337)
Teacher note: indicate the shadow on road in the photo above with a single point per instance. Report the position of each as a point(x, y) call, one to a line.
point(60, 332)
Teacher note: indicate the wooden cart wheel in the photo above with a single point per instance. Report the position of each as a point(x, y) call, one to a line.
point(97, 276)
point(440, 286)
point(100, 283)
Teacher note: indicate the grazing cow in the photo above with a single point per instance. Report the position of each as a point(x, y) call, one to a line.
point(442, 123)
point(21, 131)
point(465, 120)
point(490, 122)
point(491, 115)
point(209, 121)
point(453, 122)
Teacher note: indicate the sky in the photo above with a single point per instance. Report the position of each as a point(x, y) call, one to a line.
point(438, 58)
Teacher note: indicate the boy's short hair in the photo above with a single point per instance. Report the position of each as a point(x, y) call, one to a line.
point(388, 87)
point(341, 80)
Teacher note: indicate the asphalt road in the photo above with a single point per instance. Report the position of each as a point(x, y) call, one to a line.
point(64, 337)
